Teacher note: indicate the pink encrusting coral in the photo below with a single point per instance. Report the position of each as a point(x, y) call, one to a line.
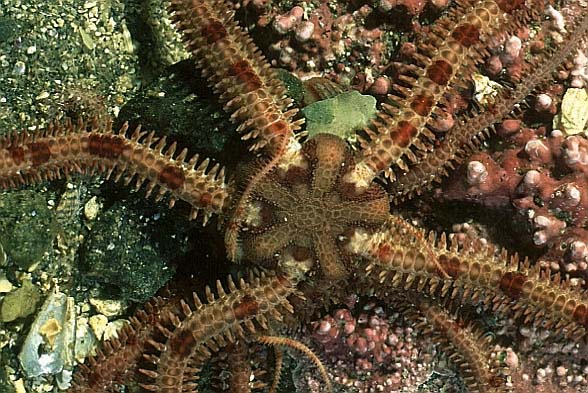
point(319, 39)
point(510, 58)
point(542, 175)
point(345, 42)
point(540, 172)
point(413, 7)
point(376, 343)
point(549, 367)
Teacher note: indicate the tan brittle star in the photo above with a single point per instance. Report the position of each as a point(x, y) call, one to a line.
point(303, 209)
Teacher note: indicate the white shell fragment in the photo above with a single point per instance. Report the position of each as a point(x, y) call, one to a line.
point(48, 348)
point(486, 89)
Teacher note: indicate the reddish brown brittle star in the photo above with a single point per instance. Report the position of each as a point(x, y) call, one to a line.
point(313, 212)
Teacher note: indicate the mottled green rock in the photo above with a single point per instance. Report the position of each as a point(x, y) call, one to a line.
point(122, 257)
point(27, 226)
point(294, 85)
point(20, 303)
point(341, 115)
point(181, 106)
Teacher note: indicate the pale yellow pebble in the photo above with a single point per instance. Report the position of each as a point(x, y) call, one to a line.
point(98, 324)
point(19, 386)
point(5, 285)
point(574, 112)
point(108, 307)
point(92, 208)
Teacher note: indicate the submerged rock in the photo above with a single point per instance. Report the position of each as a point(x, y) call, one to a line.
point(27, 227)
point(20, 303)
point(140, 268)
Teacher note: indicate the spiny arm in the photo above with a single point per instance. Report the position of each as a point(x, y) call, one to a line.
point(285, 342)
point(193, 335)
point(115, 362)
point(471, 272)
point(247, 85)
point(464, 344)
point(448, 54)
point(465, 136)
point(84, 147)
point(183, 336)
point(237, 71)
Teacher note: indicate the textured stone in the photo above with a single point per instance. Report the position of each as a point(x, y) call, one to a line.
point(20, 303)
point(574, 112)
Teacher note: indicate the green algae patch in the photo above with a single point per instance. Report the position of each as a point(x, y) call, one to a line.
point(27, 227)
point(21, 303)
point(341, 115)
point(294, 85)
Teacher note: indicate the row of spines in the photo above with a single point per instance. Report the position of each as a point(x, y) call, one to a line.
point(476, 272)
point(197, 332)
point(465, 344)
point(150, 343)
point(252, 93)
point(115, 362)
point(250, 89)
point(468, 134)
point(88, 147)
point(442, 60)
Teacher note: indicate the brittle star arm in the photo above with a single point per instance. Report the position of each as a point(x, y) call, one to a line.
point(247, 85)
point(464, 137)
point(464, 343)
point(184, 336)
point(450, 52)
point(88, 147)
point(117, 359)
point(197, 332)
point(473, 272)
point(236, 70)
